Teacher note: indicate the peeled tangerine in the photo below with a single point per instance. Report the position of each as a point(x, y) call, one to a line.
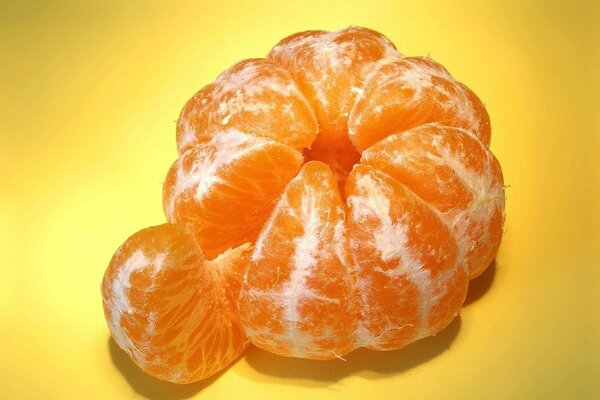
point(330, 196)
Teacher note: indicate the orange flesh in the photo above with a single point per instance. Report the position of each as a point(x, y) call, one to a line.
point(295, 300)
point(226, 188)
point(254, 96)
point(411, 91)
point(167, 307)
point(405, 255)
point(330, 68)
point(362, 178)
point(457, 175)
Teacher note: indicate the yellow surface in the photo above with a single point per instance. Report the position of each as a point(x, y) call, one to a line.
point(88, 99)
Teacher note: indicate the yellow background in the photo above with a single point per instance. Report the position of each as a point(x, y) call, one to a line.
point(88, 98)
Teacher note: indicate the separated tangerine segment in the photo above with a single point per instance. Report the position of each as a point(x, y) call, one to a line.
point(173, 312)
point(255, 96)
point(295, 297)
point(226, 188)
point(455, 173)
point(408, 281)
point(404, 93)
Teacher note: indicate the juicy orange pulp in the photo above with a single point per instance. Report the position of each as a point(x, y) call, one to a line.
point(355, 188)
point(173, 312)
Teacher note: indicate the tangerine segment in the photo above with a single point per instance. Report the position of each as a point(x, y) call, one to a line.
point(168, 308)
point(406, 262)
point(225, 189)
point(454, 172)
point(295, 297)
point(404, 93)
point(330, 69)
point(254, 96)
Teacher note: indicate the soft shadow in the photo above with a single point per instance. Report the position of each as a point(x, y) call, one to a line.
point(480, 285)
point(150, 387)
point(378, 363)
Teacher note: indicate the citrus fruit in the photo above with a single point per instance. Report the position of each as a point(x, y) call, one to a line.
point(331, 69)
point(172, 311)
point(454, 172)
point(410, 91)
point(295, 299)
point(333, 195)
point(255, 96)
point(226, 187)
point(410, 282)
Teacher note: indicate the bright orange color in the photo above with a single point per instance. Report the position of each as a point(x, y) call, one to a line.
point(255, 96)
point(171, 310)
point(331, 69)
point(410, 279)
point(456, 174)
point(227, 186)
point(356, 187)
point(410, 91)
point(295, 299)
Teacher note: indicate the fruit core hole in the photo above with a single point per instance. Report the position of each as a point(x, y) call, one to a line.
point(336, 151)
